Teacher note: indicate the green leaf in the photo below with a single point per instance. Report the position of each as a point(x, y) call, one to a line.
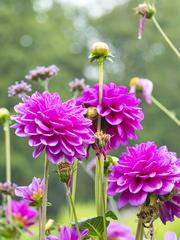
point(111, 215)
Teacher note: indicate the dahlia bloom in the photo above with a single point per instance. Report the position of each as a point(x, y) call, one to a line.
point(33, 193)
point(170, 208)
point(22, 214)
point(116, 231)
point(19, 89)
point(42, 73)
point(77, 85)
point(59, 128)
point(141, 170)
point(119, 110)
point(66, 233)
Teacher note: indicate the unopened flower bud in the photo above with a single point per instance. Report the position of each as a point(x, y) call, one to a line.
point(92, 113)
point(102, 143)
point(64, 172)
point(49, 226)
point(100, 52)
point(4, 115)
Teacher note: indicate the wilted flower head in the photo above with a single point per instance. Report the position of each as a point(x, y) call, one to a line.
point(19, 89)
point(33, 193)
point(77, 85)
point(4, 115)
point(42, 73)
point(142, 170)
point(169, 206)
point(116, 231)
point(119, 111)
point(7, 188)
point(143, 85)
point(145, 11)
point(22, 214)
point(68, 234)
point(59, 128)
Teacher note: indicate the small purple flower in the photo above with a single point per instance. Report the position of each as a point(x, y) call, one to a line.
point(68, 234)
point(22, 214)
point(59, 128)
point(170, 236)
point(116, 231)
point(42, 73)
point(77, 85)
point(120, 112)
point(143, 85)
point(170, 208)
point(33, 193)
point(19, 89)
point(7, 188)
point(141, 170)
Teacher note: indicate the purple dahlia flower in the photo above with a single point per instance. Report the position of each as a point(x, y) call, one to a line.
point(19, 89)
point(59, 128)
point(119, 110)
point(32, 193)
point(116, 231)
point(68, 234)
point(42, 73)
point(144, 85)
point(143, 169)
point(22, 214)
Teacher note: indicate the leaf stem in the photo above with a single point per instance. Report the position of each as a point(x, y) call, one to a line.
point(8, 165)
point(175, 50)
point(166, 111)
point(44, 200)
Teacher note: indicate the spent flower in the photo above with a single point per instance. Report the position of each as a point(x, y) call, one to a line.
point(19, 89)
point(33, 193)
point(7, 188)
point(58, 127)
point(77, 85)
point(141, 171)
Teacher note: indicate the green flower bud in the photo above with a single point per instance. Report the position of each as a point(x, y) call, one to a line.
point(100, 52)
point(92, 113)
point(4, 115)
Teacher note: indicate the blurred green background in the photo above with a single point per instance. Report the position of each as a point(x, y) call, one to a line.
point(44, 32)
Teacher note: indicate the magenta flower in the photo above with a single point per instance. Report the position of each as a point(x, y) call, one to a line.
point(19, 89)
point(33, 193)
point(68, 234)
point(143, 169)
point(116, 231)
point(42, 73)
point(170, 236)
point(22, 214)
point(120, 112)
point(59, 128)
point(143, 85)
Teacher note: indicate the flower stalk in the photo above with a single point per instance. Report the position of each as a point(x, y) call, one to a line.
point(175, 50)
point(74, 181)
point(8, 165)
point(44, 200)
point(170, 114)
point(140, 230)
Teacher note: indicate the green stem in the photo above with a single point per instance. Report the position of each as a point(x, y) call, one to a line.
point(100, 92)
point(140, 230)
point(74, 180)
point(175, 50)
point(8, 165)
point(74, 212)
point(40, 217)
point(166, 111)
point(97, 185)
point(44, 200)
